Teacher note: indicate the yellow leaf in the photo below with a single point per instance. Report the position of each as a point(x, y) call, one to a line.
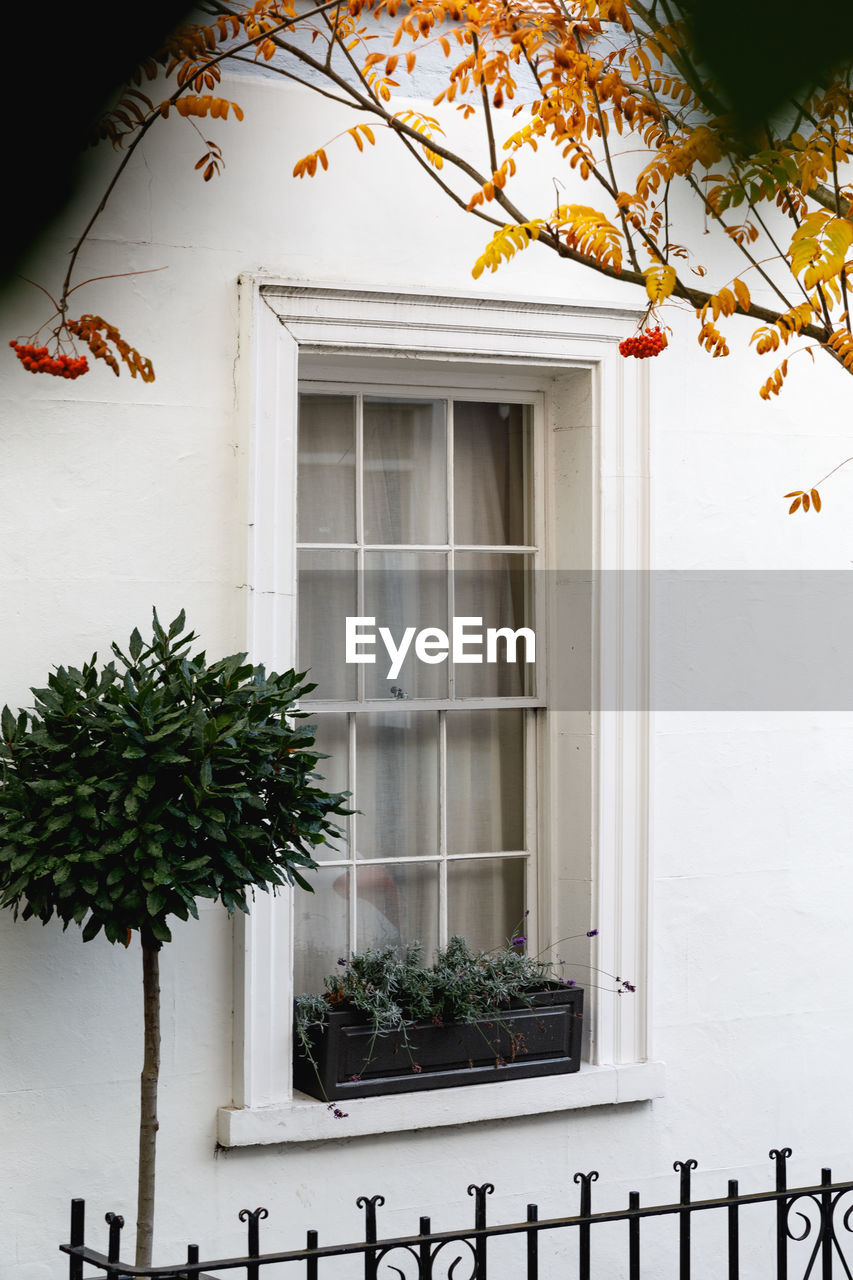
point(839, 236)
point(742, 294)
point(728, 303)
point(589, 232)
point(815, 499)
point(504, 244)
point(660, 281)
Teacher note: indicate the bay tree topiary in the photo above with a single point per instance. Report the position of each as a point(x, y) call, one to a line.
point(132, 790)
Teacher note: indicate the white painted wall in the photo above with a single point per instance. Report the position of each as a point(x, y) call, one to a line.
point(117, 496)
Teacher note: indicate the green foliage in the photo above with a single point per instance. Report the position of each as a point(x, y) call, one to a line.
point(131, 791)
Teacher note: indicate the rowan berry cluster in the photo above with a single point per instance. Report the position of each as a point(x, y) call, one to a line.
point(39, 360)
point(649, 343)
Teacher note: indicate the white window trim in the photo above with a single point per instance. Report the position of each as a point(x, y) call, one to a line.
point(281, 321)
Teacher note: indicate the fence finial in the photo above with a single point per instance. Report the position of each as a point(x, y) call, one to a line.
point(253, 1217)
point(116, 1222)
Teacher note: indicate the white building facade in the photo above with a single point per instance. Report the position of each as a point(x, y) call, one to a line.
point(707, 841)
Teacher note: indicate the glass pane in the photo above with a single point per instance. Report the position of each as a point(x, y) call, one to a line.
point(398, 904)
point(492, 474)
point(498, 589)
point(405, 471)
point(485, 900)
point(326, 482)
point(485, 781)
point(320, 928)
point(404, 589)
point(326, 590)
point(397, 785)
point(330, 737)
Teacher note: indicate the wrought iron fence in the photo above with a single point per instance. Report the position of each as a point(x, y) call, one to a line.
point(800, 1236)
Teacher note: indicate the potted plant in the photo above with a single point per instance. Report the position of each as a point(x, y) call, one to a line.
point(133, 790)
point(387, 1022)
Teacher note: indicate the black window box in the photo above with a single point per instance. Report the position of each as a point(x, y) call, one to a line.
point(536, 1037)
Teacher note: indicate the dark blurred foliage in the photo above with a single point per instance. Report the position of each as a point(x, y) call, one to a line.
point(762, 55)
point(67, 62)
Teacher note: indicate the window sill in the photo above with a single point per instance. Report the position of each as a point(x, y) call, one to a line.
point(307, 1120)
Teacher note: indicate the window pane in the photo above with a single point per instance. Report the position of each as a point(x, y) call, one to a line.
point(398, 904)
point(326, 590)
point(485, 781)
point(320, 927)
point(486, 900)
point(405, 476)
point(330, 737)
point(492, 471)
point(397, 785)
point(326, 491)
point(406, 589)
point(499, 589)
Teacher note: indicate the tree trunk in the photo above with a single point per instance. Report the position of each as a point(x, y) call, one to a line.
point(148, 1123)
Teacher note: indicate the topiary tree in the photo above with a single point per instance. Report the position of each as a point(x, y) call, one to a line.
point(131, 791)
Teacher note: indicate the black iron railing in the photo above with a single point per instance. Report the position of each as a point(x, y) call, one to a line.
point(798, 1236)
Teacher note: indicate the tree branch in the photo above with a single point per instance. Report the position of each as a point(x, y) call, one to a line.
point(487, 113)
point(146, 125)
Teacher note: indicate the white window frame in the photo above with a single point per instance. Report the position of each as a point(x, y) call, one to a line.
point(521, 344)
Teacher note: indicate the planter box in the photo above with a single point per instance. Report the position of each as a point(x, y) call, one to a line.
point(538, 1037)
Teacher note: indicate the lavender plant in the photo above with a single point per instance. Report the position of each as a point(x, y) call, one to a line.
point(394, 989)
